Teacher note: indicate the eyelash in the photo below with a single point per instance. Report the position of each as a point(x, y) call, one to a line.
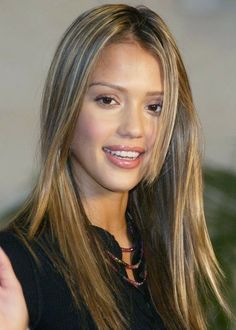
point(158, 105)
point(101, 99)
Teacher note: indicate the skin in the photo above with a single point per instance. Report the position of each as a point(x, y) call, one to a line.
point(128, 121)
point(124, 116)
point(13, 310)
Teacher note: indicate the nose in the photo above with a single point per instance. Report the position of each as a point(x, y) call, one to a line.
point(131, 123)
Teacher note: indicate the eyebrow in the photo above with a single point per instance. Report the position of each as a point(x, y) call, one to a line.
point(122, 89)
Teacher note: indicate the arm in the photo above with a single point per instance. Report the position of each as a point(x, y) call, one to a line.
point(13, 310)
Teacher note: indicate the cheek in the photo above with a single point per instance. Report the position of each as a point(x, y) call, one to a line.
point(151, 134)
point(152, 139)
point(89, 131)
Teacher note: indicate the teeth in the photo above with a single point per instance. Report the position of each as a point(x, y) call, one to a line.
point(123, 154)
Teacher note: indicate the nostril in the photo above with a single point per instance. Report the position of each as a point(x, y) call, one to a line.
point(131, 125)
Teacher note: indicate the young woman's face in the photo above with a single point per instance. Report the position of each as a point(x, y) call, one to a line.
point(118, 122)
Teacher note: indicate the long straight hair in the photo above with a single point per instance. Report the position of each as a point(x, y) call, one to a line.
point(167, 205)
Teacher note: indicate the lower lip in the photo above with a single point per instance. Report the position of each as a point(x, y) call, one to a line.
point(124, 163)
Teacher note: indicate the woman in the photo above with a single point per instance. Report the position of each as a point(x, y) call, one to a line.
point(113, 235)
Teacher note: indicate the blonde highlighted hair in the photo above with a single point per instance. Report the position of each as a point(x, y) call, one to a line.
point(167, 205)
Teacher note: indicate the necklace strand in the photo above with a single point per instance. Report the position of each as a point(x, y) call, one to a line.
point(122, 262)
point(133, 282)
point(126, 265)
point(128, 249)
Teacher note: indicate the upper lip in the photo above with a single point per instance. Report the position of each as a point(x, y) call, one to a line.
point(125, 148)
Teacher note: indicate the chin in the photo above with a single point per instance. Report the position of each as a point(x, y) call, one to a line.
point(121, 186)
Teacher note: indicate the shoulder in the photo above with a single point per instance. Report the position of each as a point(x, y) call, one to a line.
point(48, 298)
point(16, 251)
point(26, 270)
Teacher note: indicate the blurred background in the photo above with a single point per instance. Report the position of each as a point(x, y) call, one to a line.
point(205, 33)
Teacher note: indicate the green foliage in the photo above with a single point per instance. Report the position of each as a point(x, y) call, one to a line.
point(220, 208)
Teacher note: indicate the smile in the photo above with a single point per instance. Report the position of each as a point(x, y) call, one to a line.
point(124, 156)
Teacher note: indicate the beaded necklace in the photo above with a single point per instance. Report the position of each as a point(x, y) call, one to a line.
point(127, 265)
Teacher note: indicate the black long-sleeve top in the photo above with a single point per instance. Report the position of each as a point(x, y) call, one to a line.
point(49, 302)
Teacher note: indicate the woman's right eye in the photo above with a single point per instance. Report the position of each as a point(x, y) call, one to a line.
point(106, 100)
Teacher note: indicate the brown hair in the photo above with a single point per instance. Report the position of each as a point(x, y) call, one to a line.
point(167, 204)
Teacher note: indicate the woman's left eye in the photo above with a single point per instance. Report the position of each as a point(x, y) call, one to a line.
point(156, 107)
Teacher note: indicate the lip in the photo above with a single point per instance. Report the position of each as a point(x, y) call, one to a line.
point(125, 148)
point(124, 163)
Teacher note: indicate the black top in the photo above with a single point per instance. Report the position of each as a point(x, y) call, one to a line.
point(49, 300)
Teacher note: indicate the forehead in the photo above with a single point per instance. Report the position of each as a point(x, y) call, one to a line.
point(123, 62)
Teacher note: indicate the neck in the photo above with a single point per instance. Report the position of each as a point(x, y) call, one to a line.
point(107, 211)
